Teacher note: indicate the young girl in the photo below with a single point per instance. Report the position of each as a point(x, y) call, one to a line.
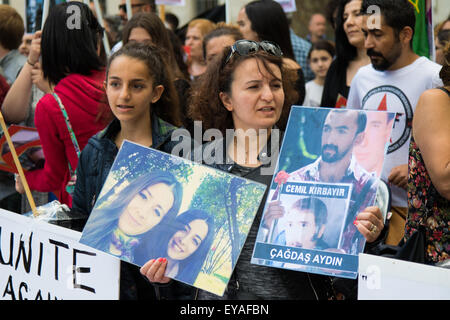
point(140, 92)
point(184, 250)
point(147, 27)
point(320, 57)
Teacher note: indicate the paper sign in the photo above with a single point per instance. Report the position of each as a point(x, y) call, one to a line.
point(322, 182)
point(391, 279)
point(41, 261)
point(155, 205)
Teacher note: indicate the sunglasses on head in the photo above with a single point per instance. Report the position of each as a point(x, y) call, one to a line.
point(124, 6)
point(246, 47)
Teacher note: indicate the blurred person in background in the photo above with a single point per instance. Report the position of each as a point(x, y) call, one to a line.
point(196, 31)
point(317, 27)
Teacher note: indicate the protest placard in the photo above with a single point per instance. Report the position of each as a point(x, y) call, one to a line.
point(321, 185)
point(41, 261)
point(28, 148)
point(171, 2)
point(288, 5)
point(155, 205)
point(383, 278)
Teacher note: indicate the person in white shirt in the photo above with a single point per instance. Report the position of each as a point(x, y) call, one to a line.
point(320, 57)
point(393, 81)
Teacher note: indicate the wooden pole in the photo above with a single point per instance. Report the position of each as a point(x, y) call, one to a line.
point(18, 165)
point(45, 10)
point(162, 12)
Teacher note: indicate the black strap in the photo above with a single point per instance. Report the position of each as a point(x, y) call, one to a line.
point(445, 90)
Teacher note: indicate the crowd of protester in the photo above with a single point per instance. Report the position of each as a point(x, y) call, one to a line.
point(44, 83)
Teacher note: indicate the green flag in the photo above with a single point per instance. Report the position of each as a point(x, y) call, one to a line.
point(423, 28)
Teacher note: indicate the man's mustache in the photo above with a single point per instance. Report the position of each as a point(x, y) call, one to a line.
point(330, 146)
point(371, 52)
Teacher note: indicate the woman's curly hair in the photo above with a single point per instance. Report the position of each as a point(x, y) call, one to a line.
point(205, 104)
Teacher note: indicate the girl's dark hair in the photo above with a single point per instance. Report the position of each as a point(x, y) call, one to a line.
point(190, 267)
point(151, 23)
point(322, 45)
point(205, 104)
point(269, 21)
point(167, 107)
point(68, 49)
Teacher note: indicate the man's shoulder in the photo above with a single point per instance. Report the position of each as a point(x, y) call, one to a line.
point(366, 71)
point(304, 173)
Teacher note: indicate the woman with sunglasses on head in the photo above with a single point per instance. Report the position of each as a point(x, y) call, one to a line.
point(248, 88)
point(265, 20)
point(350, 54)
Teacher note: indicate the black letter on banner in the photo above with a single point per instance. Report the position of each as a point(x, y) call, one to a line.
point(81, 270)
point(26, 260)
point(60, 244)
point(9, 289)
point(22, 285)
point(41, 247)
point(11, 247)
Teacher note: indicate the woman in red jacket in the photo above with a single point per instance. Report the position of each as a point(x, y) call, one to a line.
point(72, 65)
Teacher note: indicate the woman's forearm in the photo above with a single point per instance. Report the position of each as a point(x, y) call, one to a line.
point(15, 106)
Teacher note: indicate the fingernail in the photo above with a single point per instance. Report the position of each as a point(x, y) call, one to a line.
point(355, 222)
point(160, 260)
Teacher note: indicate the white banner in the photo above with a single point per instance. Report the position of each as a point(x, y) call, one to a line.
point(288, 5)
point(391, 279)
point(171, 2)
point(41, 261)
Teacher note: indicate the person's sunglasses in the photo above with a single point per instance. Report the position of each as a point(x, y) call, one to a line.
point(124, 6)
point(246, 47)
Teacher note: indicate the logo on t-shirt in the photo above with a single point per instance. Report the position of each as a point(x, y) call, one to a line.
point(390, 98)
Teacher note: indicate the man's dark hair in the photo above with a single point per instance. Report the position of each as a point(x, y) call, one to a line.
point(397, 14)
point(361, 120)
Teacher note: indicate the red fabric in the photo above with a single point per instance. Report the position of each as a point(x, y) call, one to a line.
point(4, 87)
point(83, 98)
